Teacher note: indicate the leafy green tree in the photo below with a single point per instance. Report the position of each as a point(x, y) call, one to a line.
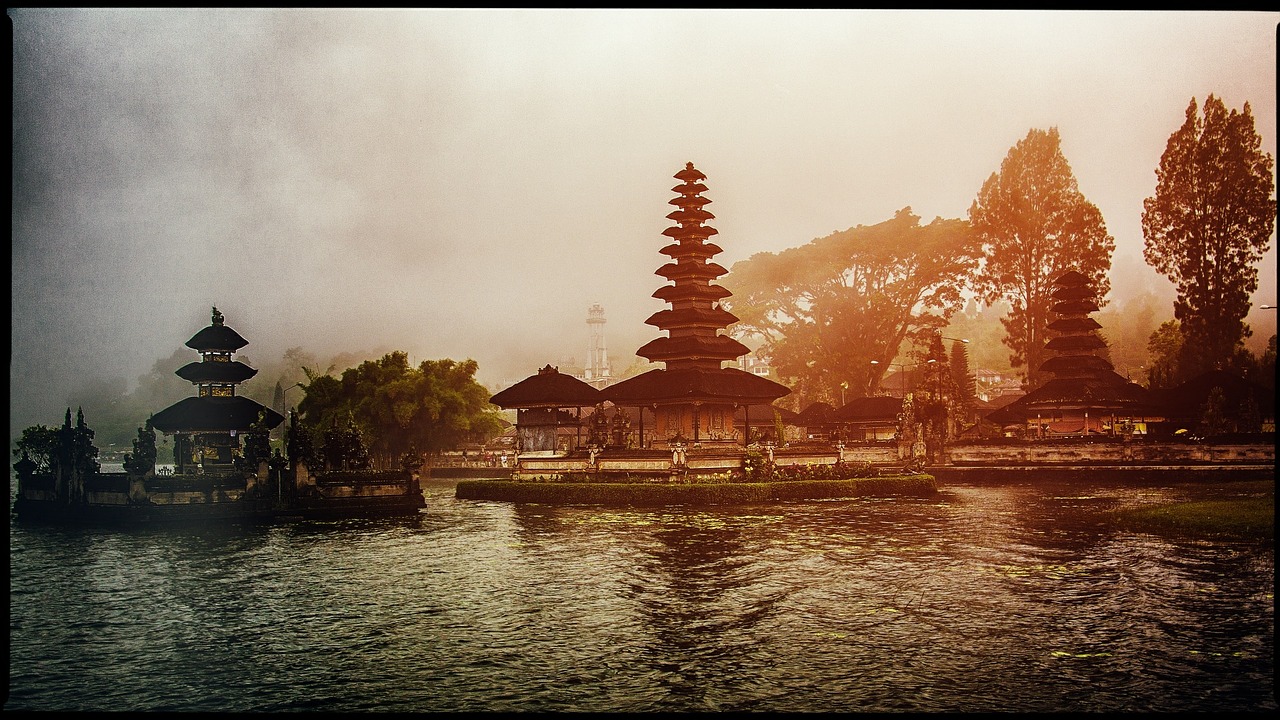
point(1207, 226)
point(1035, 224)
point(40, 444)
point(825, 310)
point(1164, 345)
point(394, 406)
point(143, 458)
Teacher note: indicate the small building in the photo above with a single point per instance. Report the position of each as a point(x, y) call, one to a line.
point(869, 419)
point(817, 422)
point(1246, 406)
point(547, 405)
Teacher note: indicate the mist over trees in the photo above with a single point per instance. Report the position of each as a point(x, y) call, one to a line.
point(825, 310)
point(1035, 224)
point(1127, 329)
point(115, 412)
point(1206, 227)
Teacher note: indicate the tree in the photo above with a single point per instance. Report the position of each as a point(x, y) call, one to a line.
point(39, 443)
point(394, 406)
point(966, 387)
point(143, 458)
point(1208, 225)
point(1267, 366)
point(1213, 416)
point(1035, 224)
point(825, 310)
point(934, 398)
point(1164, 345)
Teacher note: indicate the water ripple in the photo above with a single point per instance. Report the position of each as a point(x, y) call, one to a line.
point(984, 599)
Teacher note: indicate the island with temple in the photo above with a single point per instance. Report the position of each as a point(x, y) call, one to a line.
point(223, 469)
point(694, 429)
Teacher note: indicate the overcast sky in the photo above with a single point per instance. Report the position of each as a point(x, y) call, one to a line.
point(465, 184)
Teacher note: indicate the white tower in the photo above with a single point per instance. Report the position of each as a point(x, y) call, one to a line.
point(597, 370)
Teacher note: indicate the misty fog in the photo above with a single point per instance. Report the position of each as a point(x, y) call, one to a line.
point(466, 183)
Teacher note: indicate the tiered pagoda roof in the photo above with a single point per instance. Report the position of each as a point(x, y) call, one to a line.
point(1081, 378)
point(216, 407)
point(693, 349)
point(695, 318)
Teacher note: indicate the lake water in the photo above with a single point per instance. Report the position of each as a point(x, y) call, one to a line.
point(985, 598)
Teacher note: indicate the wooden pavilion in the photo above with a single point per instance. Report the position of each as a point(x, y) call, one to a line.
point(546, 404)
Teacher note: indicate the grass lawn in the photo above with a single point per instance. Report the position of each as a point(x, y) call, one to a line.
point(1247, 512)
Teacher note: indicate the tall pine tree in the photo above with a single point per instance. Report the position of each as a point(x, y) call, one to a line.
point(1035, 224)
point(1206, 228)
point(965, 384)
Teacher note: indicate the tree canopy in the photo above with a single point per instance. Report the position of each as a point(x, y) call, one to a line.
point(396, 407)
point(1206, 228)
point(825, 310)
point(1035, 224)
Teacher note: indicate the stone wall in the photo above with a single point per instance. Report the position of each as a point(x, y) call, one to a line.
point(1106, 453)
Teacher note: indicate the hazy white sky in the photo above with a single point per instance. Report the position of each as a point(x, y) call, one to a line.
point(466, 183)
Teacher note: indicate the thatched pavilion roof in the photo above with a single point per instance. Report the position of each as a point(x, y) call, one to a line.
point(695, 384)
point(550, 388)
point(876, 407)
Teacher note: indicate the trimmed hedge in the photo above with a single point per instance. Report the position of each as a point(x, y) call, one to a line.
point(653, 494)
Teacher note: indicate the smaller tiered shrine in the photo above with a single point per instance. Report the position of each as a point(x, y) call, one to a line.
point(207, 427)
point(1084, 395)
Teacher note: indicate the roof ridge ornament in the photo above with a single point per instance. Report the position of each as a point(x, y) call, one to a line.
point(217, 316)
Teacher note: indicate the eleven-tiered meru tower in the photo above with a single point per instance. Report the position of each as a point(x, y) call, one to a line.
point(695, 397)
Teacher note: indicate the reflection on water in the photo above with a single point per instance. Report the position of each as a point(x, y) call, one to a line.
point(1006, 597)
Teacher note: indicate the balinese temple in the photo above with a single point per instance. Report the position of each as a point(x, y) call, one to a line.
point(1084, 395)
point(543, 403)
point(694, 398)
point(206, 428)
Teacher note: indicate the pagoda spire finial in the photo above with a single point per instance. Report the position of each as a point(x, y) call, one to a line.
point(217, 316)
